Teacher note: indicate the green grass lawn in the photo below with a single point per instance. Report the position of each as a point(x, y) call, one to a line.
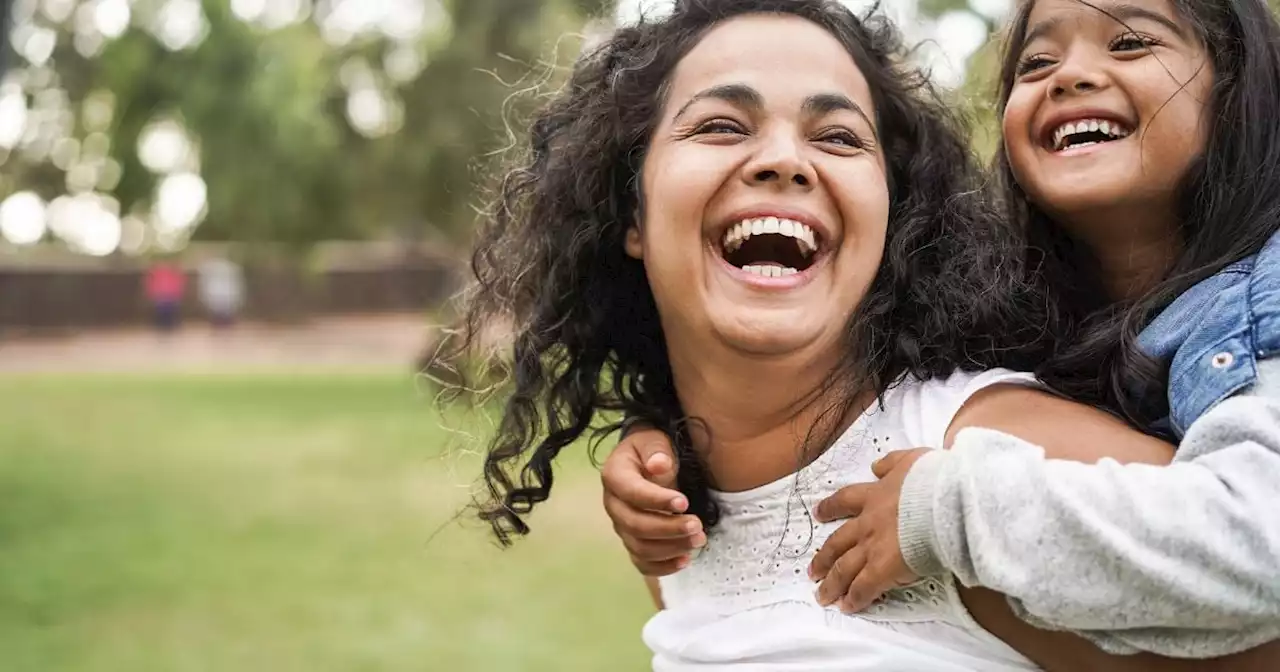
point(280, 524)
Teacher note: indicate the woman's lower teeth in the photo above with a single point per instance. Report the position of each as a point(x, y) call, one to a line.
point(770, 271)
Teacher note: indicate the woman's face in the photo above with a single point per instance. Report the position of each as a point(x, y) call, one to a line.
point(765, 198)
point(1108, 107)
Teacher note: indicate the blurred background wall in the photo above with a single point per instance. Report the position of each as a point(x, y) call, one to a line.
point(48, 291)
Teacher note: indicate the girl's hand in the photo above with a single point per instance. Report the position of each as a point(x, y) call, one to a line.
point(639, 480)
point(863, 559)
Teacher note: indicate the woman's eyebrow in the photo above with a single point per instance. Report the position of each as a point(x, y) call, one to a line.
point(744, 96)
point(826, 103)
point(739, 95)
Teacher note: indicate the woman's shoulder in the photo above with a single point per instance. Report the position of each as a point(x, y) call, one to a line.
point(959, 383)
point(926, 407)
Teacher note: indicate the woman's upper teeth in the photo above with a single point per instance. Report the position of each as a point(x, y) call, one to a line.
point(1111, 128)
point(743, 230)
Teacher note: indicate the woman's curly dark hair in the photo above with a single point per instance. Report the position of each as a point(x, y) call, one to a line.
point(550, 258)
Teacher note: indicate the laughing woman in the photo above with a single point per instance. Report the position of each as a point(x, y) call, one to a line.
point(751, 226)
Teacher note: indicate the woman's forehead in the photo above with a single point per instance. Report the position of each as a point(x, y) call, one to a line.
point(784, 58)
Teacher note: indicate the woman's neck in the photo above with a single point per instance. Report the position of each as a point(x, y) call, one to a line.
point(754, 418)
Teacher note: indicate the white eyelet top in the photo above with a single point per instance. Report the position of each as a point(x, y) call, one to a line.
point(746, 602)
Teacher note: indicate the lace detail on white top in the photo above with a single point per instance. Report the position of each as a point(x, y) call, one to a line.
point(758, 555)
point(760, 551)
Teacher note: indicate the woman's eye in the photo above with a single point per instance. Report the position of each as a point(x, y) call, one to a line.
point(1032, 63)
point(719, 127)
point(841, 138)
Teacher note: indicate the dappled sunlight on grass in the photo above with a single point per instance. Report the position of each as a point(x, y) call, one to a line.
point(283, 523)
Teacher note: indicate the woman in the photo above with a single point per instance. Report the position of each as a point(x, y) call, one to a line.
point(1134, 153)
point(748, 224)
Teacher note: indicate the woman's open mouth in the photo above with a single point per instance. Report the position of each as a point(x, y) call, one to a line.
point(770, 247)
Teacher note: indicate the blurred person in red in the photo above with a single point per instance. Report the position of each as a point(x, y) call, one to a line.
point(165, 285)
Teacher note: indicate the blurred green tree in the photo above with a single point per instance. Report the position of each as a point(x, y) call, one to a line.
point(299, 134)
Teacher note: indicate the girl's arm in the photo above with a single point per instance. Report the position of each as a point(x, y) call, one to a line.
point(655, 591)
point(1182, 560)
point(1067, 652)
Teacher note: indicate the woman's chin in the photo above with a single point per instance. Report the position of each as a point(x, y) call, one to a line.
point(769, 334)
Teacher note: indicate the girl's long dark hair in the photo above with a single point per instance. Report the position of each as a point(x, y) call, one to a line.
point(1228, 206)
point(586, 338)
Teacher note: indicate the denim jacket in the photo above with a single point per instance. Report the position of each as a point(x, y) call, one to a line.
point(1215, 333)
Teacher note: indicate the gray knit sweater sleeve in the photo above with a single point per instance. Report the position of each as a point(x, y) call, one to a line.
point(1182, 560)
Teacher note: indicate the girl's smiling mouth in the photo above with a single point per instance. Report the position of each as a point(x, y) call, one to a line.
point(1070, 131)
point(1085, 133)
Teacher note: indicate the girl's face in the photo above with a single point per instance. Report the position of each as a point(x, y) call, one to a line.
point(765, 198)
point(1107, 111)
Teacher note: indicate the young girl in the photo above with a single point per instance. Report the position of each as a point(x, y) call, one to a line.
point(748, 224)
point(1141, 153)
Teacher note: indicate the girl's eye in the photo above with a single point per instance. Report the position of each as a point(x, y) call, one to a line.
point(1032, 63)
point(1133, 42)
point(719, 127)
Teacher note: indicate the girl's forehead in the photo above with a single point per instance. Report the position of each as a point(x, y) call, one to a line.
point(1048, 15)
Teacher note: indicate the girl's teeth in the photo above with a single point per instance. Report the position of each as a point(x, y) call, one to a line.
point(1087, 125)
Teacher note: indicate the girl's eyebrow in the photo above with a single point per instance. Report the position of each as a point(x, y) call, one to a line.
point(1123, 12)
point(1040, 30)
point(1119, 11)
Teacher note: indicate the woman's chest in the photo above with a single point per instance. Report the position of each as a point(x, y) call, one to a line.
point(759, 551)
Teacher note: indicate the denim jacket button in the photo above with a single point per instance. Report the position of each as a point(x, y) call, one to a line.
point(1222, 360)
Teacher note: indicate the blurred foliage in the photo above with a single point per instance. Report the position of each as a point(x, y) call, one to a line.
point(268, 110)
point(936, 7)
point(976, 96)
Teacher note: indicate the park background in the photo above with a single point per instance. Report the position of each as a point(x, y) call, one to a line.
point(282, 495)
